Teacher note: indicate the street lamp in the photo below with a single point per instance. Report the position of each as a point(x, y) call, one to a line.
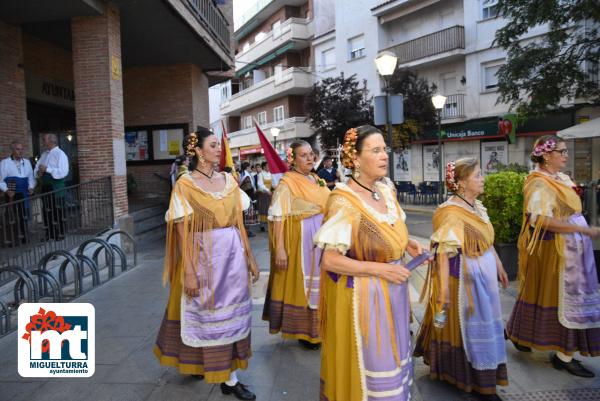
point(275, 132)
point(438, 102)
point(386, 65)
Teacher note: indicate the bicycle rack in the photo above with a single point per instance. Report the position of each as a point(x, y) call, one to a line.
point(69, 260)
point(83, 259)
point(4, 316)
point(109, 253)
point(47, 278)
point(28, 281)
point(131, 239)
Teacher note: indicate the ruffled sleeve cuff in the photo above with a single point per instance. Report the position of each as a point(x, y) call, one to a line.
point(335, 234)
point(447, 240)
point(280, 204)
point(245, 200)
point(178, 209)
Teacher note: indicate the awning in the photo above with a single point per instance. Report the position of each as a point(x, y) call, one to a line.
point(588, 129)
point(264, 60)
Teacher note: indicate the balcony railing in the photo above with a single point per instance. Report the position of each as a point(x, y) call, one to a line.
point(429, 45)
point(209, 15)
point(454, 107)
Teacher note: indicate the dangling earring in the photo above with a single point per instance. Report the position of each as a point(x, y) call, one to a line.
point(201, 161)
point(356, 172)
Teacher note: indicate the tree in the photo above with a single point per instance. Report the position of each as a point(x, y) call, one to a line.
point(562, 63)
point(419, 113)
point(336, 104)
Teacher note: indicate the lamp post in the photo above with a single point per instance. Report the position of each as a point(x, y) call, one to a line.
point(438, 102)
point(386, 65)
point(275, 132)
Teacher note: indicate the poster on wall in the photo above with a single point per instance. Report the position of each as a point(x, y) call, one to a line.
point(431, 163)
point(166, 144)
point(492, 155)
point(402, 162)
point(136, 145)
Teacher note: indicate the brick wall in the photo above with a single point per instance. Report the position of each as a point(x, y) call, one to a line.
point(154, 95)
point(46, 59)
point(13, 109)
point(99, 101)
point(148, 184)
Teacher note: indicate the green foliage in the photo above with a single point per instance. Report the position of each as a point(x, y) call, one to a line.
point(503, 199)
point(336, 104)
point(562, 63)
point(514, 167)
point(419, 113)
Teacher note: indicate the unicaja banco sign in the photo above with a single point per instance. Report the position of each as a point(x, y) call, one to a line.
point(56, 340)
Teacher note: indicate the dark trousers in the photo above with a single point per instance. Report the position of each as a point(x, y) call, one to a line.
point(16, 218)
point(54, 214)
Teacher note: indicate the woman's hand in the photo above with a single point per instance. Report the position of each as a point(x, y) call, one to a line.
point(191, 292)
point(396, 274)
point(254, 272)
point(502, 276)
point(414, 248)
point(591, 231)
point(281, 259)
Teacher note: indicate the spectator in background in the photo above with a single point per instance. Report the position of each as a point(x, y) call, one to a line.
point(247, 185)
point(328, 173)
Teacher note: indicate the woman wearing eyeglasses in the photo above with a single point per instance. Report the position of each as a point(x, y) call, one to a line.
point(558, 306)
point(295, 215)
point(365, 306)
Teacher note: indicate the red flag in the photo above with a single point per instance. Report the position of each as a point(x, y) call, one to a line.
point(276, 165)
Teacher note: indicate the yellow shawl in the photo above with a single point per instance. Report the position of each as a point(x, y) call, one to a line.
point(201, 212)
point(371, 241)
point(566, 203)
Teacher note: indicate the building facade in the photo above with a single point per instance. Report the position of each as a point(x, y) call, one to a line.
point(119, 83)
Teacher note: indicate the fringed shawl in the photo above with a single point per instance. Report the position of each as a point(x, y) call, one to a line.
point(192, 212)
point(371, 241)
point(560, 198)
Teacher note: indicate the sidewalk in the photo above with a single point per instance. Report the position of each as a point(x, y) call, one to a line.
point(129, 310)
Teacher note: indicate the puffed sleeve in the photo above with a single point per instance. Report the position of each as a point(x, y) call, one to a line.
point(281, 204)
point(178, 208)
point(245, 200)
point(541, 203)
point(335, 233)
point(447, 239)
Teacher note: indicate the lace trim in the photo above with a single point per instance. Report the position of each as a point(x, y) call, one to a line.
point(392, 215)
point(480, 210)
point(229, 184)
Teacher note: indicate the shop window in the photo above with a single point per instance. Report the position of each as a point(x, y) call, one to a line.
point(154, 143)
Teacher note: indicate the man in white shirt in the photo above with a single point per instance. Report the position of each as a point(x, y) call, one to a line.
point(17, 182)
point(52, 168)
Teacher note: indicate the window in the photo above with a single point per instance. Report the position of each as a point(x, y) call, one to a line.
point(278, 71)
point(246, 47)
point(224, 92)
point(248, 122)
point(489, 9)
point(490, 78)
point(262, 117)
point(276, 29)
point(278, 114)
point(260, 36)
point(327, 59)
point(356, 47)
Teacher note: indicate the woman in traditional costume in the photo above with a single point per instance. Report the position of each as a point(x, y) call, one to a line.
point(295, 215)
point(462, 334)
point(208, 262)
point(365, 302)
point(265, 189)
point(558, 306)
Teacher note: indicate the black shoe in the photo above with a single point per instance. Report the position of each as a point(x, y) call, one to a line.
point(262, 229)
point(574, 367)
point(239, 390)
point(199, 377)
point(488, 397)
point(251, 234)
point(309, 345)
point(520, 347)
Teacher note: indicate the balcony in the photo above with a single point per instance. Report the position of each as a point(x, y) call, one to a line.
point(433, 47)
point(293, 81)
point(294, 127)
point(295, 33)
point(454, 107)
point(212, 19)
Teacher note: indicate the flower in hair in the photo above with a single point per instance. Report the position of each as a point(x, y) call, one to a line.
point(349, 148)
point(289, 153)
point(544, 148)
point(450, 177)
point(191, 145)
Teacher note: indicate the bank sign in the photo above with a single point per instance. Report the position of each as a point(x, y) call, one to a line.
point(56, 340)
